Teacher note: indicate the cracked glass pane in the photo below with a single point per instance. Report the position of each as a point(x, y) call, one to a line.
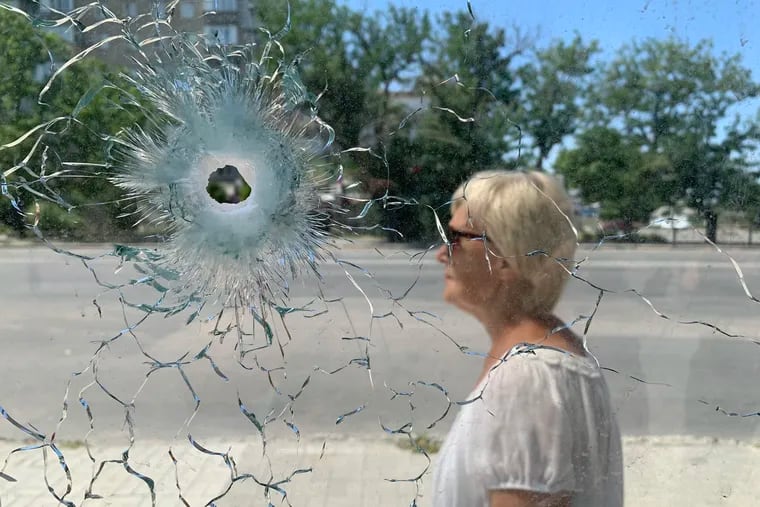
point(230, 234)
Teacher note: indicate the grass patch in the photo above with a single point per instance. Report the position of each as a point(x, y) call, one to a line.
point(71, 444)
point(429, 444)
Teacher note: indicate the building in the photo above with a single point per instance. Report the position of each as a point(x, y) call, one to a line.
point(230, 21)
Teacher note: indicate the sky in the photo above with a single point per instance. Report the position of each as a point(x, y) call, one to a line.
point(731, 24)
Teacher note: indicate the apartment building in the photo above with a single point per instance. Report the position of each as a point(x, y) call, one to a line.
point(230, 21)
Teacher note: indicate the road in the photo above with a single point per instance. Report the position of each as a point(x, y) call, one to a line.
point(670, 374)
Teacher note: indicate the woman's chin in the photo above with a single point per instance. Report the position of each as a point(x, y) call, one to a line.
point(448, 292)
point(453, 297)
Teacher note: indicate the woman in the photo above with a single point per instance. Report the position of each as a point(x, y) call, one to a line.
point(540, 431)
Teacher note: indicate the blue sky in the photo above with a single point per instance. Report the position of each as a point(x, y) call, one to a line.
point(732, 24)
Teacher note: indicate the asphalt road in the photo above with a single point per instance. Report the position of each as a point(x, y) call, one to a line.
point(678, 373)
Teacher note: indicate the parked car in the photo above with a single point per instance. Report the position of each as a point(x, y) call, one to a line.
point(665, 218)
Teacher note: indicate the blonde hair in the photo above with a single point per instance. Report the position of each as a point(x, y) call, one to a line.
point(528, 220)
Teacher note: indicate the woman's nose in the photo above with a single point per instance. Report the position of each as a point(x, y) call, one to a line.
point(442, 255)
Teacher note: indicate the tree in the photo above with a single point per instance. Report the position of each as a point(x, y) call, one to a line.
point(318, 42)
point(360, 62)
point(390, 46)
point(671, 100)
point(469, 89)
point(553, 85)
point(364, 64)
point(613, 171)
point(471, 85)
point(28, 57)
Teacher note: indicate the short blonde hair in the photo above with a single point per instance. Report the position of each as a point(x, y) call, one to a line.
point(528, 220)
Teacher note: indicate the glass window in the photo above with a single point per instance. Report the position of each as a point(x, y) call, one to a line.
point(226, 34)
point(221, 5)
point(204, 247)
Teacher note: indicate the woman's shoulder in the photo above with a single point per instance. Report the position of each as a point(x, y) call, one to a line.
point(531, 371)
point(538, 384)
point(530, 357)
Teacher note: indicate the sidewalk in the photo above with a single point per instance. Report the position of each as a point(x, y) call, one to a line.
point(662, 471)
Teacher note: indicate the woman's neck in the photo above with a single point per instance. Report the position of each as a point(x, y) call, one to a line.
point(541, 330)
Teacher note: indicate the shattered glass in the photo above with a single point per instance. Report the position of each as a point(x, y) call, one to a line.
point(257, 348)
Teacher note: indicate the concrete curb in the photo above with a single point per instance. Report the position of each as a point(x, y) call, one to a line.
point(660, 471)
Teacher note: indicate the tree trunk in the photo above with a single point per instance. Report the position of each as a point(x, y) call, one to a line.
point(540, 162)
point(711, 220)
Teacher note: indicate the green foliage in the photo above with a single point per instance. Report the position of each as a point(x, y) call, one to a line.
point(662, 88)
point(471, 94)
point(669, 102)
point(360, 63)
point(424, 442)
point(91, 111)
point(614, 172)
point(654, 111)
point(652, 126)
point(470, 73)
point(553, 93)
point(318, 45)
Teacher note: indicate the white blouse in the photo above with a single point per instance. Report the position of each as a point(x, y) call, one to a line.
point(542, 421)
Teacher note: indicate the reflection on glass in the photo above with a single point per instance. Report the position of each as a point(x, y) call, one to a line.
point(286, 344)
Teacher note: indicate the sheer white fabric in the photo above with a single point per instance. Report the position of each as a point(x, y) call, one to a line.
point(544, 423)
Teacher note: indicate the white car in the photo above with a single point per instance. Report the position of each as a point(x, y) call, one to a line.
point(678, 222)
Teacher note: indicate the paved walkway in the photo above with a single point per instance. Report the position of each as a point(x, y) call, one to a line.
point(667, 471)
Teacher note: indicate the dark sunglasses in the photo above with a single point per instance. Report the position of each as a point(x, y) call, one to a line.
point(456, 237)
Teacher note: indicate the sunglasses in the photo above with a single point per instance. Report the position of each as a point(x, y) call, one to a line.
point(456, 237)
